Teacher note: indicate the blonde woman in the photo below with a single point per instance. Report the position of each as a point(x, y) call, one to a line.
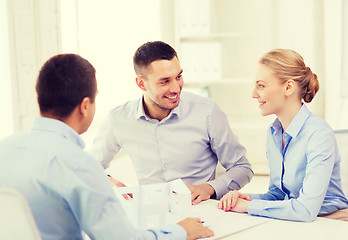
point(301, 148)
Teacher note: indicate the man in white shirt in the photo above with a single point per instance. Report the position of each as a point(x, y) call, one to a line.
point(170, 134)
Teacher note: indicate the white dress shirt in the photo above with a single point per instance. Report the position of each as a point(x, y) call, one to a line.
point(187, 144)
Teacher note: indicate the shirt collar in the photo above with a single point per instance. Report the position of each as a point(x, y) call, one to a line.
point(276, 126)
point(59, 127)
point(140, 113)
point(296, 124)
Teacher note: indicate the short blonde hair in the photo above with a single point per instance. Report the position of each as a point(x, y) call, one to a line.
point(288, 64)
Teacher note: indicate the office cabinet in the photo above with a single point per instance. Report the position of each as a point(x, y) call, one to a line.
point(219, 43)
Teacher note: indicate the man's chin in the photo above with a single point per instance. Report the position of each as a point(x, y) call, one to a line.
point(174, 105)
point(171, 105)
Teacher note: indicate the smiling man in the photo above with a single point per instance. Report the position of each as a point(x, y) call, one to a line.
point(170, 134)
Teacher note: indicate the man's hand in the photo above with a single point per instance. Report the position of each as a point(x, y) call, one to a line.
point(117, 183)
point(200, 192)
point(195, 229)
point(234, 201)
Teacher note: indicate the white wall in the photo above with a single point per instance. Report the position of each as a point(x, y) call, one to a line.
point(336, 100)
point(7, 118)
point(105, 32)
point(109, 32)
point(33, 38)
point(300, 27)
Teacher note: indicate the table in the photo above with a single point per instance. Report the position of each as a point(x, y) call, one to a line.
point(320, 229)
point(230, 225)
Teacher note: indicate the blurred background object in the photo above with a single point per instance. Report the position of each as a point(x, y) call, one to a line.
point(219, 43)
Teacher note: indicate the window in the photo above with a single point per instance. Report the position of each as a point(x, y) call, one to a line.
point(344, 89)
point(107, 33)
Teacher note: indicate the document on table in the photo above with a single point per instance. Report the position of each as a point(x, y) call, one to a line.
point(224, 223)
point(157, 204)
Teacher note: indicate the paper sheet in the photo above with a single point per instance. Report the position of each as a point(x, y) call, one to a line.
point(224, 223)
point(154, 205)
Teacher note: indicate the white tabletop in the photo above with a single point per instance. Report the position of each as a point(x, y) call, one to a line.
point(321, 228)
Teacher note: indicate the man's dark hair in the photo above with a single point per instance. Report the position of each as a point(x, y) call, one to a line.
point(63, 82)
point(150, 52)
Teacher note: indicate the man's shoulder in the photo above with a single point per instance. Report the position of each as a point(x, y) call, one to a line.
point(125, 110)
point(14, 139)
point(198, 105)
point(192, 98)
point(43, 145)
point(65, 151)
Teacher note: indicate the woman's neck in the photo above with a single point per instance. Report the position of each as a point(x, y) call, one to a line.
point(288, 114)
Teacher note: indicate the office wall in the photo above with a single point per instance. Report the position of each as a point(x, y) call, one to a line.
point(33, 37)
point(300, 27)
point(7, 118)
point(336, 98)
point(108, 32)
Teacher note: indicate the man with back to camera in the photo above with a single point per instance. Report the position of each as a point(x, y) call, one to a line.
point(67, 189)
point(171, 134)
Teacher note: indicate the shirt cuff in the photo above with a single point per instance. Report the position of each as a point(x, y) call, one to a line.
point(173, 231)
point(254, 196)
point(255, 207)
point(220, 187)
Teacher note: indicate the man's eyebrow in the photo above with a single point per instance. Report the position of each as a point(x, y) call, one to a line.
point(167, 78)
point(164, 78)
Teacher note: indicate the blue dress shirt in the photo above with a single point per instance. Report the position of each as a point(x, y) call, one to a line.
point(67, 189)
point(187, 144)
point(304, 175)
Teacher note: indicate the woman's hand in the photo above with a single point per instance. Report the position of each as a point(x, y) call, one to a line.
point(234, 201)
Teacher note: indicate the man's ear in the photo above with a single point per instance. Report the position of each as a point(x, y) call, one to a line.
point(84, 106)
point(140, 82)
point(289, 87)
